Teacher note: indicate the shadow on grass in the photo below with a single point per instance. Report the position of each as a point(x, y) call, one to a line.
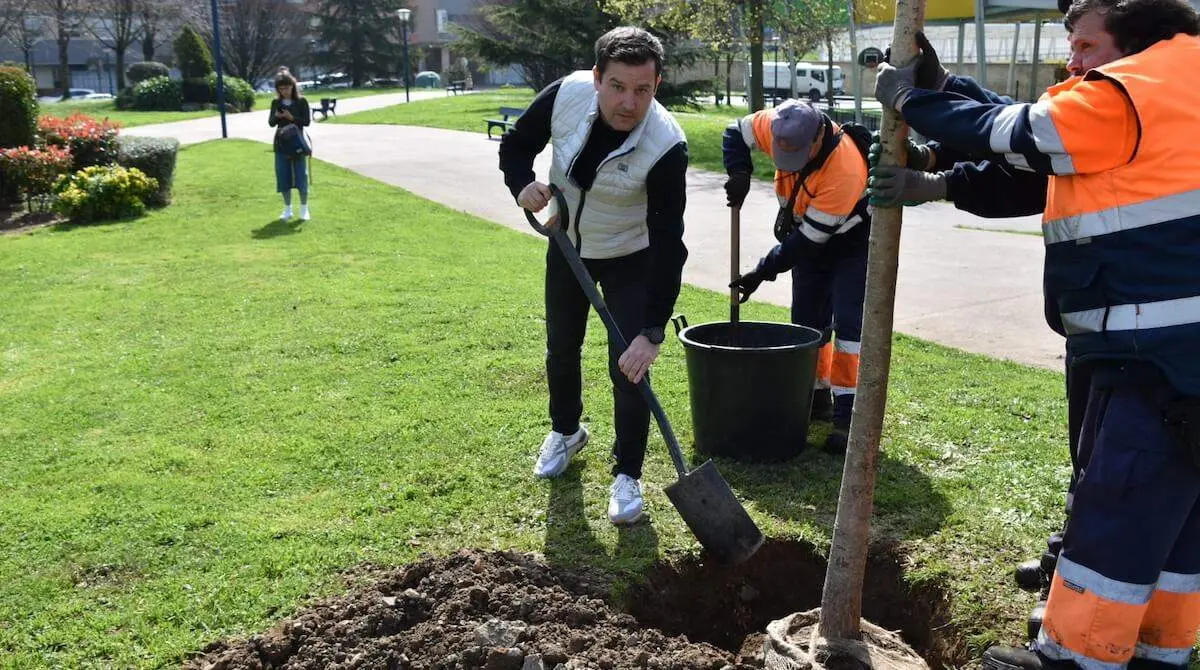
point(277, 228)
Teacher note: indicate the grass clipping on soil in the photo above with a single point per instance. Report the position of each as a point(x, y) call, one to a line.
point(473, 609)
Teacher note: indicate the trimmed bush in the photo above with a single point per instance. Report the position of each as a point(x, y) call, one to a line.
point(19, 111)
point(196, 90)
point(103, 193)
point(238, 92)
point(18, 108)
point(139, 72)
point(195, 60)
point(158, 93)
point(124, 99)
point(154, 156)
point(33, 172)
point(90, 142)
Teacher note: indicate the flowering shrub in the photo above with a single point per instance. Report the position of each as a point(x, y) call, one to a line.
point(90, 142)
point(33, 171)
point(101, 193)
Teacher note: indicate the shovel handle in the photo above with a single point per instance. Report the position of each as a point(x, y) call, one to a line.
point(735, 253)
point(558, 234)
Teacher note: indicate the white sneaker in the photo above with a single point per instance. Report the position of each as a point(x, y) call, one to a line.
point(287, 213)
point(304, 213)
point(625, 503)
point(557, 452)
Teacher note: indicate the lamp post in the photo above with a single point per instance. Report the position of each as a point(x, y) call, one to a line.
point(405, 15)
point(216, 20)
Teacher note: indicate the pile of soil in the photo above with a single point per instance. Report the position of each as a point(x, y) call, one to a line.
point(474, 609)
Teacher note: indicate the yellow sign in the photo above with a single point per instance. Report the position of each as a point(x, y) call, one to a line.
point(877, 11)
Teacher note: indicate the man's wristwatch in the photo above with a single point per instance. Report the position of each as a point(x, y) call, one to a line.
point(656, 335)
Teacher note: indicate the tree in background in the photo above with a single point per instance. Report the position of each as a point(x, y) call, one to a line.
point(546, 38)
point(360, 37)
point(257, 36)
point(118, 27)
point(12, 13)
point(156, 19)
point(63, 19)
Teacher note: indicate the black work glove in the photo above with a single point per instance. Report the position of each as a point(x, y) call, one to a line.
point(748, 284)
point(892, 186)
point(919, 156)
point(737, 186)
point(931, 76)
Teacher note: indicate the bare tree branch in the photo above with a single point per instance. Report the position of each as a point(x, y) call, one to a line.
point(116, 27)
point(64, 20)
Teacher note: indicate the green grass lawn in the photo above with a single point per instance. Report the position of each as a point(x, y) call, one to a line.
point(704, 125)
point(106, 109)
point(206, 415)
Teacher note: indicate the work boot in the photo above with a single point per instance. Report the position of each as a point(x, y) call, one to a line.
point(1030, 576)
point(557, 452)
point(1010, 658)
point(625, 502)
point(822, 405)
point(836, 441)
point(1034, 624)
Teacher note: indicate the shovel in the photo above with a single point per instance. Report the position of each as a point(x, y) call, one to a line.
point(735, 239)
point(702, 497)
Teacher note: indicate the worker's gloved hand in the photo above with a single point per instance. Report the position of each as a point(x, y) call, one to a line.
point(889, 186)
point(737, 186)
point(894, 84)
point(749, 283)
point(931, 75)
point(919, 156)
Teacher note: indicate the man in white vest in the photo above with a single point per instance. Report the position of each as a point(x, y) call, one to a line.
point(621, 161)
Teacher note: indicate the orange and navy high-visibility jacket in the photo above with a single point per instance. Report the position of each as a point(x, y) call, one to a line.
point(830, 211)
point(1122, 219)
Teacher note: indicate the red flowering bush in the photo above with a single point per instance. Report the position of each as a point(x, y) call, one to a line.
point(90, 142)
point(34, 171)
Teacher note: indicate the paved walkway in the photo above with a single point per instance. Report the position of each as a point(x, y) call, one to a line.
point(976, 290)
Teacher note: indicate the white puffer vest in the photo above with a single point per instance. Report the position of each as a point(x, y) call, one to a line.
point(612, 219)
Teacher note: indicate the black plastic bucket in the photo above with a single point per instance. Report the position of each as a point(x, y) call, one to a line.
point(751, 387)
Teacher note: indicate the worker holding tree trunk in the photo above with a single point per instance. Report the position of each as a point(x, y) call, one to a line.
point(822, 227)
point(1122, 229)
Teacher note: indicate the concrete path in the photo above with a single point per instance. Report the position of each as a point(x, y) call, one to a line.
point(976, 290)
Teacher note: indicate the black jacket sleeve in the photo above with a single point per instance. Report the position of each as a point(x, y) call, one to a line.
point(271, 120)
point(666, 195)
point(528, 136)
point(992, 189)
point(734, 152)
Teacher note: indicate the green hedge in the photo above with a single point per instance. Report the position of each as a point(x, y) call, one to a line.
point(139, 72)
point(156, 157)
point(18, 119)
point(103, 193)
point(238, 93)
point(158, 93)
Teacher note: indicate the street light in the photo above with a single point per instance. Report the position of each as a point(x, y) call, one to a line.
point(405, 15)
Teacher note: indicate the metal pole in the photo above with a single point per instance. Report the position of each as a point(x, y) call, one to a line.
point(962, 43)
point(1037, 42)
point(981, 42)
point(216, 17)
point(404, 31)
point(1012, 64)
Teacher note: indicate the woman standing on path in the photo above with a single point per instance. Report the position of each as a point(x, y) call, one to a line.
point(289, 108)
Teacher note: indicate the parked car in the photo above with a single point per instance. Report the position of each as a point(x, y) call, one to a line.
point(80, 94)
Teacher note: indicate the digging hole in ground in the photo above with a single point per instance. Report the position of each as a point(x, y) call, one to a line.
point(509, 611)
point(731, 607)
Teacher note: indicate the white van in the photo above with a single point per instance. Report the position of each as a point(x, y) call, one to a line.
point(810, 80)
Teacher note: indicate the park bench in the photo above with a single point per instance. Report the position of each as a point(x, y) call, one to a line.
point(456, 87)
point(504, 124)
point(328, 105)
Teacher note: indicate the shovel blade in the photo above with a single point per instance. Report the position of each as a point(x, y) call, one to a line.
point(716, 518)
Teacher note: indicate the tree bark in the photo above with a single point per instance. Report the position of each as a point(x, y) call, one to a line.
point(841, 600)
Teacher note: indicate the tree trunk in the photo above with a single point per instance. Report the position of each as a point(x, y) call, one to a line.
point(829, 69)
point(756, 55)
point(147, 43)
point(841, 600)
point(64, 63)
point(120, 51)
point(717, 79)
point(729, 79)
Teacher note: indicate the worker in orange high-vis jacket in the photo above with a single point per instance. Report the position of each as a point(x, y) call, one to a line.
point(823, 226)
point(1122, 233)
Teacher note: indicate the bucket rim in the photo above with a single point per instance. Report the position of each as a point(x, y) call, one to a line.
point(687, 342)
